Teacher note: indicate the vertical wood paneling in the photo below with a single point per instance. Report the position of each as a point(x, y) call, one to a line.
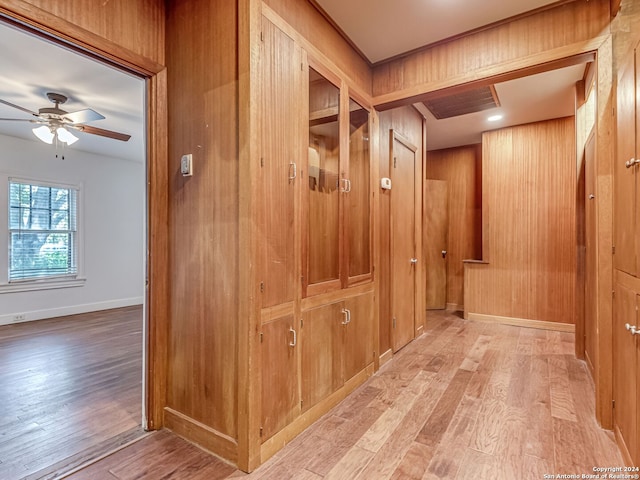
point(203, 368)
point(138, 26)
point(310, 23)
point(408, 122)
point(625, 201)
point(461, 168)
point(507, 42)
point(529, 184)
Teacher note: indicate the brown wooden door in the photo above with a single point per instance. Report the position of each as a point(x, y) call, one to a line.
point(403, 240)
point(358, 341)
point(281, 153)
point(321, 340)
point(280, 402)
point(625, 177)
point(435, 240)
point(625, 369)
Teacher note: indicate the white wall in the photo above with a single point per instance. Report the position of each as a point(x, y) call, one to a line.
point(112, 212)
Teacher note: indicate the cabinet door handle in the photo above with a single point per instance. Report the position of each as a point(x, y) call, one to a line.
point(348, 315)
point(347, 185)
point(345, 312)
point(632, 329)
point(631, 162)
point(293, 171)
point(414, 261)
point(293, 342)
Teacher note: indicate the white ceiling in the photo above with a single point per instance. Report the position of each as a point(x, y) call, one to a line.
point(525, 100)
point(382, 29)
point(31, 67)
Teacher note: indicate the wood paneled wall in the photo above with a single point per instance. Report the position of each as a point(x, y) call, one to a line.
point(137, 26)
point(408, 122)
point(204, 223)
point(461, 168)
point(529, 224)
point(573, 23)
point(310, 23)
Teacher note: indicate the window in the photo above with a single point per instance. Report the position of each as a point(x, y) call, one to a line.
point(43, 228)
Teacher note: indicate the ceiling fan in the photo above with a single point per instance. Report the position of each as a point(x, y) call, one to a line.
point(55, 122)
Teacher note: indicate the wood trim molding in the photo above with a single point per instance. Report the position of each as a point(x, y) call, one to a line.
point(284, 436)
point(314, 52)
point(200, 434)
point(521, 322)
point(470, 32)
point(386, 357)
point(336, 296)
point(574, 54)
point(158, 245)
point(60, 31)
point(342, 33)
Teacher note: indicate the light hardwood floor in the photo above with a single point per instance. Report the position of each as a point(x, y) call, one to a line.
point(464, 401)
point(70, 388)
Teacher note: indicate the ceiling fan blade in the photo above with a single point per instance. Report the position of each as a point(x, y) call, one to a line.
point(103, 133)
point(83, 116)
point(19, 107)
point(20, 120)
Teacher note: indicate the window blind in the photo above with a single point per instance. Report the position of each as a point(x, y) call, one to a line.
point(43, 227)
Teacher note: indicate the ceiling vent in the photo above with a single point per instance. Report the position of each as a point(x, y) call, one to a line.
point(470, 101)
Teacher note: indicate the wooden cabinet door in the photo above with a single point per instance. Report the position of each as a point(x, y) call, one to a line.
point(403, 241)
point(359, 339)
point(280, 402)
point(281, 150)
point(321, 339)
point(625, 368)
point(625, 177)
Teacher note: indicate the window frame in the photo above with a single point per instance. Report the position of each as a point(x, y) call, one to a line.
point(8, 285)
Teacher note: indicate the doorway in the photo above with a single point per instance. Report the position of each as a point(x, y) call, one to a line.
point(111, 256)
point(405, 234)
point(436, 219)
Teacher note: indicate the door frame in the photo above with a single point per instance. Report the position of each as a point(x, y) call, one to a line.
point(58, 31)
point(418, 302)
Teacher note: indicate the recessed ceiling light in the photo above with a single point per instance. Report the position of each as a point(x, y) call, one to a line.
point(494, 118)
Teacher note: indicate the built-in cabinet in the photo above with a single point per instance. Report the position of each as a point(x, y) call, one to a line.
point(626, 321)
point(317, 302)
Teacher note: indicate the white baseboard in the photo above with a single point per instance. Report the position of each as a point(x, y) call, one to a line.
point(19, 317)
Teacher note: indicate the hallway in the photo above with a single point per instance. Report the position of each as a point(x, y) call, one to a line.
point(464, 401)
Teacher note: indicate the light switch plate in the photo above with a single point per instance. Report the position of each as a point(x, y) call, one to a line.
point(186, 165)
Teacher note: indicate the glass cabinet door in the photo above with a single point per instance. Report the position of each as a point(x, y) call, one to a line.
point(359, 198)
point(323, 215)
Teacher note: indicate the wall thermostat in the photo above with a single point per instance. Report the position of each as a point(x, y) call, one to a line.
point(385, 183)
point(186, 165)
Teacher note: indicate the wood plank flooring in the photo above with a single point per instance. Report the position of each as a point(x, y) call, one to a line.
point(464, 401)
point(70, 388)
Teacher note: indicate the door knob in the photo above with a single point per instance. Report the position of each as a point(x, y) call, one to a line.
point(444, 254)
point(630, 163)
point(632, 329)
point(414, 261)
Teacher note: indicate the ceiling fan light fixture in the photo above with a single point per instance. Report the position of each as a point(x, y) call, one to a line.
point(66, 136)
point(44, 133)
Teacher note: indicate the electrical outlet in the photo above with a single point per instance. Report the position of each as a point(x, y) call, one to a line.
point(19, 317)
